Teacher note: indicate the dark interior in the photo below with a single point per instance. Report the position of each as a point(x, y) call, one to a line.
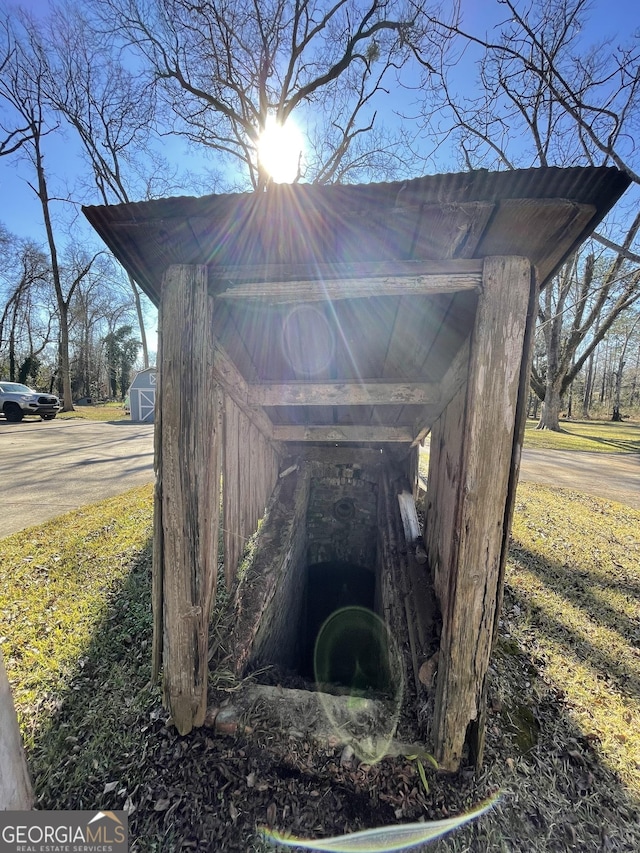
point(358, 649)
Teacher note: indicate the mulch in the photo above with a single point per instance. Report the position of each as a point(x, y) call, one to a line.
point(208, 791)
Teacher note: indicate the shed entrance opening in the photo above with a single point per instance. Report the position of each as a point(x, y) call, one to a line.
point(324, 612)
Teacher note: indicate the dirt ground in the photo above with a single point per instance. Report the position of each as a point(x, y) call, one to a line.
point(223, 787)
point(214, 792)
point(216, 789)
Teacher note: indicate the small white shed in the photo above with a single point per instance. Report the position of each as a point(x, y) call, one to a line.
point(142, 396)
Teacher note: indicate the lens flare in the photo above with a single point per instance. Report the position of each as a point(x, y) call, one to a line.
point(385, 838)
point(308, 342)
point(355, 652)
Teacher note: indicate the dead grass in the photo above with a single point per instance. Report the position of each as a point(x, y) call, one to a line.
point(97, 412)
point(575, 568)
point(564, 699)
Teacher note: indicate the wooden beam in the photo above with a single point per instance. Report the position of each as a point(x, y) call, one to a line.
point(451, 383)
point(343, 393)
point(359, 434)
point(190, 497)
point(15, 784)
point(157, 555)
point(330, 453)
point(236, 387)
point(278, 283)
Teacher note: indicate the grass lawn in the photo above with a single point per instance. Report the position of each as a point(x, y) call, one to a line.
point(594, 436)
point(563, 733)
point(97, 412)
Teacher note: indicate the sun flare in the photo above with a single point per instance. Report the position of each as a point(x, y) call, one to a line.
point(280, 149)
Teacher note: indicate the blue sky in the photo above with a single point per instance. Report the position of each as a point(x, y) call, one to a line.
point(19, 208)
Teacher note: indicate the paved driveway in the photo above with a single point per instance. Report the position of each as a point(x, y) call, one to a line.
point(614, 476)
point(50, 467)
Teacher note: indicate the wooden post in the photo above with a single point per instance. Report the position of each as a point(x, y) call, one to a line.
point(157, 558)
point(467, 513)
point(189, 473)
point(15, 784)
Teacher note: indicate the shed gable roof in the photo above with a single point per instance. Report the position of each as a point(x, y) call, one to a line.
point(324, 321)
point(542, 214)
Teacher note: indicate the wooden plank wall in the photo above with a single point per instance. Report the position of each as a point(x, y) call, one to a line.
point(195, 416)
point(250, 473)
point(445, 462)
point(468, 516)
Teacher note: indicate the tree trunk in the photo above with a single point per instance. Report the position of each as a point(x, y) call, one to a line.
point(550, 415)
point(12, 356)
point(143, 333)
point(634, 382)
point(588, 389)
point(618, 386)
point(43, 195)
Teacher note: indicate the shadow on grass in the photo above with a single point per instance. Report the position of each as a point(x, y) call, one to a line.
point(106, 744)
point(559, 794)
point(615, 444)
point(584, 431)
point(575, 582)
point(88, 732)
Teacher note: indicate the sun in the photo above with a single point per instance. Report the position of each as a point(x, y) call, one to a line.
point(280, 148)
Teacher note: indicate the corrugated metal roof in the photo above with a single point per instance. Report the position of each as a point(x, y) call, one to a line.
point(432, 217)
point(343, 235)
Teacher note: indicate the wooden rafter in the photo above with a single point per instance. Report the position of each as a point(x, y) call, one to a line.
point(343, 393)
point(278, 283)
point(359, 434)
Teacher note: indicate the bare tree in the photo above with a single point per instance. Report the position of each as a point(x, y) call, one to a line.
point(544, 98)
point(625, 333)
point(23, 92)
point(225, 68)
point(575, 312)
point(13, 134)
point(112, 111)
point(101, 300)
point(25, 319)
point(635, 372)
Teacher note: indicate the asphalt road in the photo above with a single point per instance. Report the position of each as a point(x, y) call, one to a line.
point(50, 467)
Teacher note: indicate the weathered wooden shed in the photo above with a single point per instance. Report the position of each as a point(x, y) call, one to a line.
point(339, 325)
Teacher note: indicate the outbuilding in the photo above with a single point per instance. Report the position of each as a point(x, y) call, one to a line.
point(316, 335)
point(142, 396)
